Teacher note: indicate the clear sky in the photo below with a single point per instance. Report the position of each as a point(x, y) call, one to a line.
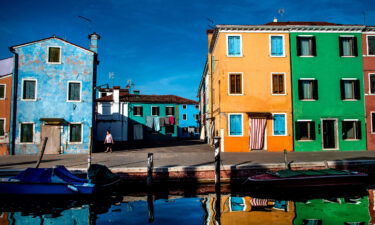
point(160, 45)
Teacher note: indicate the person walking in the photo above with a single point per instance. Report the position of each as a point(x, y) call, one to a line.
point(108, 142)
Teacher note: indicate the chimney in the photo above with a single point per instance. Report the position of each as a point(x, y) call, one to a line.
point(116, 94)
point(210, 33)
point(94, 37)
point(136, 92)
point(275, 20)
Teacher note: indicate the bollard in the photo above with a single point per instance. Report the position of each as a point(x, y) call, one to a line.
point(286, 160)
point(150, 166)
point(42, 152)
point(217, 159)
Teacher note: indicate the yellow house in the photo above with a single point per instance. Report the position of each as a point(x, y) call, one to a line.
point(249, 76)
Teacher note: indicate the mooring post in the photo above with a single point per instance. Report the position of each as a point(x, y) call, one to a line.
point(42, 152)
point(150, 167)
point(150, 207)
point(286, 159)
point(217, 159)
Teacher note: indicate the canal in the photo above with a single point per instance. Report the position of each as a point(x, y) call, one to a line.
point(200, 205)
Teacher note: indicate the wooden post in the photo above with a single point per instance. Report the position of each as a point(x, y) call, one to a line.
point(89, 150)
point(41, 153)
point(217, 159)
point(150, 207)
point(150, 167)
point(286, 159)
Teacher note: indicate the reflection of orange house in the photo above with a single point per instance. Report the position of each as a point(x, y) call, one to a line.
point(4, 218)
point(6, 66)
point(250, 77)
point(247, 210)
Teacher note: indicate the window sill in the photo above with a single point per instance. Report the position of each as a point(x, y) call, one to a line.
point(27, 143)
point(235, 56)
point(307, 56)
point(235, 135)
point(350, 100)
point(308, 100)
point(348, 56)
point(279, 135)
point(54, 63)
point(305, 140)
point(29, 100)
point(73, 101)
point(279, 94)
point(235, 94)
point(137, 115)
point(351, 139)
point(276, 56)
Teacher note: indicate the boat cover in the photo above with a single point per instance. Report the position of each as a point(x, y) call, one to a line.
point(295, 173)
point(58, 174)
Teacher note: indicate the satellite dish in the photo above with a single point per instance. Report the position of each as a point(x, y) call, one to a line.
point(281, 11)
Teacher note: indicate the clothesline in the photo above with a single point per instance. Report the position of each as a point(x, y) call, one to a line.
point(155, 122)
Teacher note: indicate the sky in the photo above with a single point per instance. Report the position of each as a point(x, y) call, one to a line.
point(160, 45)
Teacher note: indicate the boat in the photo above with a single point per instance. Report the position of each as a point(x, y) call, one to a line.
point(307, 178)
point(46, 181)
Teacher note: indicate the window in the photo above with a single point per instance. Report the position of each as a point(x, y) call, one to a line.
point(29, 90)
point(351, 129)
point(155, 111)
point(305, 130)
point(138, 111)
point(197, 106)
point(2, 91)
point(279, 124)
point(27, 132)
point(373, 122)
point(278, 87)
point(348, 46)
point(184, 116)
point(196, 116)
point(2, 127)
point(235, 124)
point(74, 91)
point(350, 89)
point(371, 45)
point(308, 89)
point(169, 129)
point(235, 83)
point(184, 106)
point(103, 94)
point(75, 132)
point(54, 54)
point(372, 83)
point(234, 47)
point(306, 46)
point(277, 45)
point(169, 110)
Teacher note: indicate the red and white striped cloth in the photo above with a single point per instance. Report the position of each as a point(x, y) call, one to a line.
point(258, 202)
point(257, 129)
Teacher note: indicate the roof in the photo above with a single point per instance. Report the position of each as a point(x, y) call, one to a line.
point(6, 66)
point(45, 39)
point(149, 99)
point(301, 23)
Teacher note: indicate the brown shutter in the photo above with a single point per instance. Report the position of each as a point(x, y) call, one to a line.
point(232, 84)
point(281, 85)
point(315, 89)
point(300, 91)
point(313, 45)
point(298, 39)
point(359, 131)
point(275, 84)
point(312, 130)
point(355, 48)
point(238, 84)
point(341, 52)
point(342, 89)
point(357, 93)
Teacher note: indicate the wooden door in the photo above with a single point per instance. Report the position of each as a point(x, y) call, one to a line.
point(329, 134)
point(54, 139)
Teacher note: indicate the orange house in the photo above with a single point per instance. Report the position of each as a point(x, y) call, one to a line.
point(250, 87)
point(6, 69)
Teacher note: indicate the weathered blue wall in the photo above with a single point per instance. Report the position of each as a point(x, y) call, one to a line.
point(77, 64)
point(190, 121)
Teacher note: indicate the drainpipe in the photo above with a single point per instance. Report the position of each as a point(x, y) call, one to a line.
point(291, 91)
point(13, 103)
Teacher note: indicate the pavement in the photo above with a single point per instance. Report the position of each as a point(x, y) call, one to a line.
point(188, 154)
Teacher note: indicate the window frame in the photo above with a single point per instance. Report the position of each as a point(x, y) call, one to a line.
point(69, 131)
point(227, 45)
point(355, 49)
point(152, 113)
point(372, 113)
point(315, 89)
point(284, 81)
point(270, 45)
point(354, 80)
point(80, 91)
point(166, 111)
point(20, 133)
point(311, 136)
point(184, 106)
point(242, 126)
point(5, 122)
point(47, 59)
point(242, 90)
point(367, 45)
point(36, 89)
point(314, 50)
point(5, 91)
point(285, 124)
point(369, 83)
point(184, 115)
point(138, 106)
point(342, 130)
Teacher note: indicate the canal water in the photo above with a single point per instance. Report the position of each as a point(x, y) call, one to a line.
point(325, 207)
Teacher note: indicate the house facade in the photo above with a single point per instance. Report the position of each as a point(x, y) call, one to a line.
point(6, 70)
point(248, 70)
point(328, 99)
point(368, 52)
point(53, 96)
point(188, 121)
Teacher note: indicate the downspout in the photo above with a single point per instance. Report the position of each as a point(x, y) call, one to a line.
point(94, 105)
point(291, 89)
point(13, 103)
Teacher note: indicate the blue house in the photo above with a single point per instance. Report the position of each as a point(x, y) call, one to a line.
point(53, 96)
point(188, 120)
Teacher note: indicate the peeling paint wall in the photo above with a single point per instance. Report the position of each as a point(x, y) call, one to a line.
point(77, 64)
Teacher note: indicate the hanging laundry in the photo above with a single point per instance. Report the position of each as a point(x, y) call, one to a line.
point(149, 122)
point(166, 121)
point(161, 121)
point(156, 124)
point(171, 120)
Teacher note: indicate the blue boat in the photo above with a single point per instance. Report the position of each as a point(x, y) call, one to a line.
point(46, 181)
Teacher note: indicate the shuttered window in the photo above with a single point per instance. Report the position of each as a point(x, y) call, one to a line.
point(279, 124)
point(277, 46)
point(169, 110)
point(234, 45)
point(371, 45)
point(306, 46)
point(372, 83)
point(373, 122)
point(29, 90)
point(138, 111)
point(155, 111)
point(351, 130)
point(2, 91)
point(348, 46)
point(54, 54)
point(305, 130)
point(235, 84)
point(308, 89)
point(75, 131)
point(350, 89)
point(74, 91)
point(235, 124)
point(278, 84)
point(184, 116)
point(27, 132)
point(2, 127)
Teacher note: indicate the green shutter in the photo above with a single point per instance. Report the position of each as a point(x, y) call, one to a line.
point(74, 92)
point(54, 55)
point(29, 89)
point(26, 133)
point(75, 132)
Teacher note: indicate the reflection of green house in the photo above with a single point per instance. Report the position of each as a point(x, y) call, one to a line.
point(343, 211)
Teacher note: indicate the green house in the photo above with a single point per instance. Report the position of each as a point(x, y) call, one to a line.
point(327, 84)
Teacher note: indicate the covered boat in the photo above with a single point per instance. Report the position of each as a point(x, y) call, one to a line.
point(307, 178)
point(46, 181)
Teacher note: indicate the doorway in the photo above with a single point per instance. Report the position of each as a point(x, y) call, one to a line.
point(54, 138)
point(329, 133)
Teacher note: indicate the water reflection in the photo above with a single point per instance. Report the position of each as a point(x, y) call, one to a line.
point(208, 209)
